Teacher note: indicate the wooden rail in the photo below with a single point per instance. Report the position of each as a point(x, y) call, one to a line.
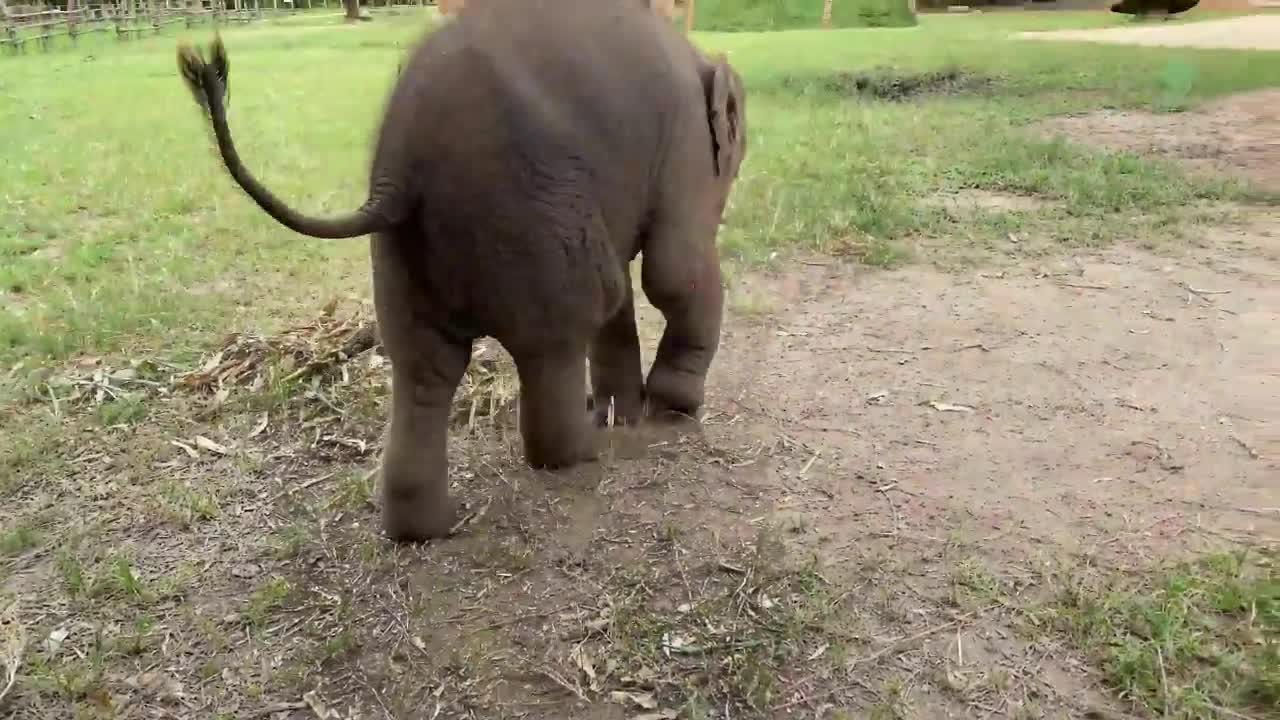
point(130, 19)
point(125, 20)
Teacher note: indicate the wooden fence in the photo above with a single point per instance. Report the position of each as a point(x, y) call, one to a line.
point(24, 26)
point(127, 20)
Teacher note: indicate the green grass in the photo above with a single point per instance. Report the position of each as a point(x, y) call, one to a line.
point(1187, 641)
point(16, 540)
point(772, 15)
point(121, 226)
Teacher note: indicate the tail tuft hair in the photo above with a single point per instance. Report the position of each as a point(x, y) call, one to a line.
point(195, 71)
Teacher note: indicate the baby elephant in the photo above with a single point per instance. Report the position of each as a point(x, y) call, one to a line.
point(528, 153)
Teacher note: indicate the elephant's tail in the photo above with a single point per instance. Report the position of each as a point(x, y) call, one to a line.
point(208, 83)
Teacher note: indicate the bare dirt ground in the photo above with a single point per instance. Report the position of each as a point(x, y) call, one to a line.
point(919, 434)
point(888, 460)
point(1237, 136)
point(1251, 32)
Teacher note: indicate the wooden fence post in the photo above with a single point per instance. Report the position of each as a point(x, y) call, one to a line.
point(688, 16)
point(73, 13)
point(826, 14)
point(16, 41)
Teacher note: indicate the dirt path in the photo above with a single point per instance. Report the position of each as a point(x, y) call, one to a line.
point(919, 435)
point(1252, 32)
point(1237, 137)
point(915, 431)
point(934, 442)
point(1060, 404)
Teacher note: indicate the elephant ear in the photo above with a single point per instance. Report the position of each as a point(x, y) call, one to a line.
point(725, 100)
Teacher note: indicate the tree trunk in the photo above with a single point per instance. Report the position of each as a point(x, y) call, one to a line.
point(353, 9)
point(826, 14)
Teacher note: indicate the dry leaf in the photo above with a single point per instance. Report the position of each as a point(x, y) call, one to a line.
point(159, 685)
point(955, 680)
point(600, 623)
point(660, 715)
point(948, 407)
point(212, 364)
point(644, 700)
point(262, 425)
point(206, 444)
point(191, 452)
point(53, 643)
point(313, 701)
point(673, 642)
point(584, 662)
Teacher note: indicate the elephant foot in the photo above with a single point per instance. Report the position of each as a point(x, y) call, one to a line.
point(406, 524)
point(548, 451)
point(411, 515)
point(673, 396)
point(563, 457)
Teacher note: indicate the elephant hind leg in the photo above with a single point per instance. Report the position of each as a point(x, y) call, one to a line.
point(555, 430)
point(415, 469)
point(616, 372)
point(426, 368)
point(681, 277)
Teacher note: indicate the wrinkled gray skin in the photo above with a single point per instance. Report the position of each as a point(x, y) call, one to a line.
point(529, 151)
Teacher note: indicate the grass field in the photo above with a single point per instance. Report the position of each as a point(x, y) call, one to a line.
point(762, 16)
point(119, 232)
point(168, 559)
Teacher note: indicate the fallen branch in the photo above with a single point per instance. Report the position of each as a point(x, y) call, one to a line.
point(884, 490)
point(1230, 713)
point(1202, 293)
point(274, 708)
point(312, 482)
point(1253, 454)
point(1083, 286)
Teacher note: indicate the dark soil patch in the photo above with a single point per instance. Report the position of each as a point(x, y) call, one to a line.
point(884, 84)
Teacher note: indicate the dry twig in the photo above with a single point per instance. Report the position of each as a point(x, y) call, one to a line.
point(884, 490)
point(13, 642)
point(555, 677)
point(891, 647)
point(1083, 286)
